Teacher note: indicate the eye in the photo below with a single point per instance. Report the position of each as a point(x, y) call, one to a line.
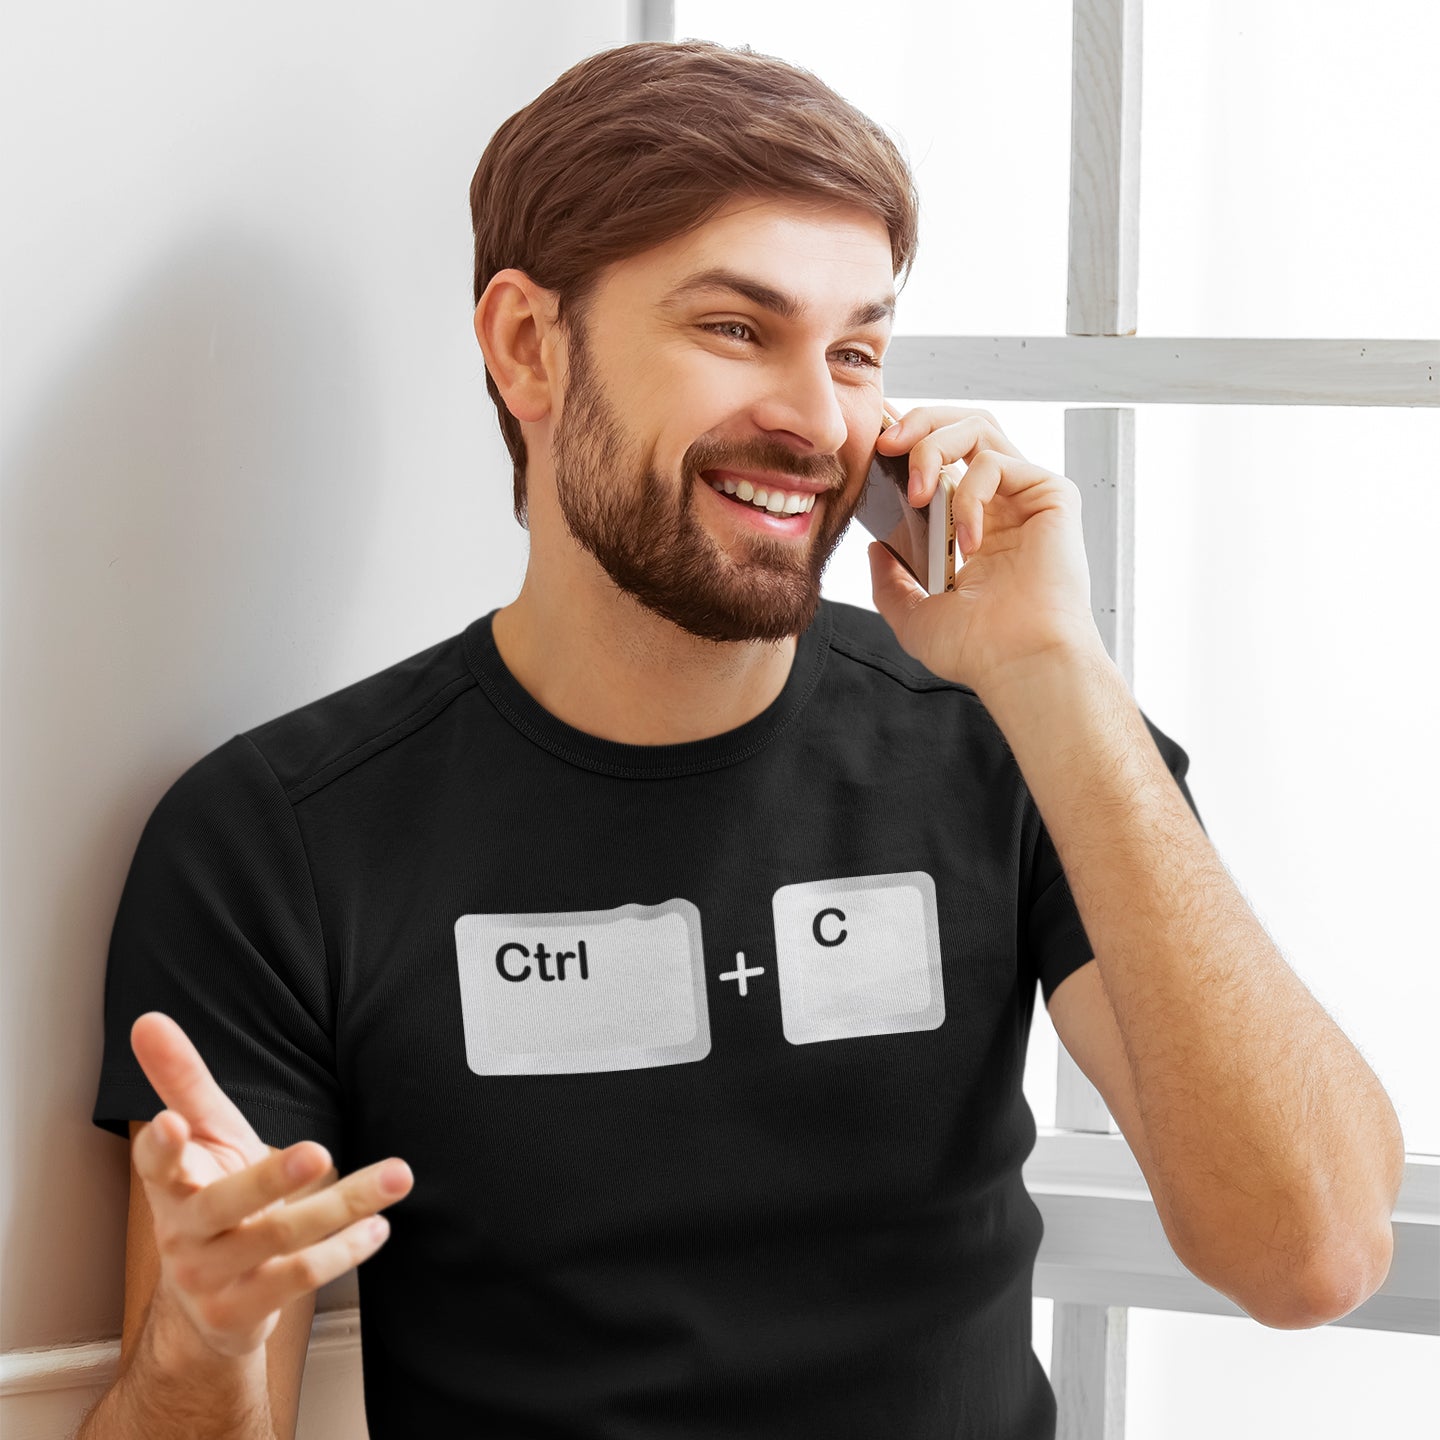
point(863, 359)
point(716, 326)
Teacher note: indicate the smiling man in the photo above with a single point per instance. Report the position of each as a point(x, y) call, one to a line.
point(660, 950)
point(699, 448)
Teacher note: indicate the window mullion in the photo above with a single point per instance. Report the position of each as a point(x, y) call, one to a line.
point(1088, 1342)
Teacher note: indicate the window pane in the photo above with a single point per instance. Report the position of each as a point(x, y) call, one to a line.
point(1287, 183)
point(1288, 175)
point(1284, 626)
point(1193, 1377)
point(978, 98)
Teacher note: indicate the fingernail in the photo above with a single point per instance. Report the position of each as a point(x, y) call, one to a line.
point(964, 539)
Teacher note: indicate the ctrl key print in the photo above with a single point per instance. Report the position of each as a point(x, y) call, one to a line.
point(573, 991)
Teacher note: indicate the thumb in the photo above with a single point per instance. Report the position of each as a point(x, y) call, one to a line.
point(180, 1077)
point(895, 584)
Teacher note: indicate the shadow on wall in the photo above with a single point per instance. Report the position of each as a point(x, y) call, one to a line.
point(187, 513)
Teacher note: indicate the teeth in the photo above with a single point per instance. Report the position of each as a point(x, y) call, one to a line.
point(777, 502)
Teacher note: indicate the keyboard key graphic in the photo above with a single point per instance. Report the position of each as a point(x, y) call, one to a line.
point(858, 956)
point(584, 990)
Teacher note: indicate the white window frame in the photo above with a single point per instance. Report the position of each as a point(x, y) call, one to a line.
point(1104, 1248)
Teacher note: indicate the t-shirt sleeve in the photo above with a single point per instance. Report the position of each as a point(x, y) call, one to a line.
point(219, 928)
point(1053, 936)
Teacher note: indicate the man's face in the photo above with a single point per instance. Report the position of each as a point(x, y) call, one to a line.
point(662, 387)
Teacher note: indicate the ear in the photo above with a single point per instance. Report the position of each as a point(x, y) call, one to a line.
point(515, 325)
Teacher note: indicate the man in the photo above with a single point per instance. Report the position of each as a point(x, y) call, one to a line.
point(681, 929)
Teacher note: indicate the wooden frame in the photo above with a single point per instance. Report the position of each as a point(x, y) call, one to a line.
point(1104, 1248)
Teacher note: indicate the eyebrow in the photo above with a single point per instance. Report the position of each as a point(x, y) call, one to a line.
point(788, 307)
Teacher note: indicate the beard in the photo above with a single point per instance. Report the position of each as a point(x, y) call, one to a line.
point(647, 534)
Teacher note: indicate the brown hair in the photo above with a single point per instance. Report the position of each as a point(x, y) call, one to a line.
point(636, 145)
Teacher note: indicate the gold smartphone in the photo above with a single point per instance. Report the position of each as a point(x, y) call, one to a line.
point(924, 538)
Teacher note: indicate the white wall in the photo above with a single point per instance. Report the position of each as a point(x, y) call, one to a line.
point(248, 459)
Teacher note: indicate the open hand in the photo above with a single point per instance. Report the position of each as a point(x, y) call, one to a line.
point(236, 1236)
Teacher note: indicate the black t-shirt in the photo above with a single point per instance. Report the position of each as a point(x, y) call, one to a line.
point(706, 1057)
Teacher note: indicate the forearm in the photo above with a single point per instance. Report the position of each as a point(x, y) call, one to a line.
point(171, 1392)
point(1276, 1154)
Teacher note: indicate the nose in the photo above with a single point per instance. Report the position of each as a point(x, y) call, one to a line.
point(801, 401)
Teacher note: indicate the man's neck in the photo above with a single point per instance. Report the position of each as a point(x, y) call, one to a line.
point(622, 673)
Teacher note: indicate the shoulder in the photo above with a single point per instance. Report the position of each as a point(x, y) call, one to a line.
point(316, 743)
point(864, 639)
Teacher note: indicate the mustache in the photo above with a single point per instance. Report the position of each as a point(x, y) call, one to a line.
point(705, 455)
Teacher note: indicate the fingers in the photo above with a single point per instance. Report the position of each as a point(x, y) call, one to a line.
point(159, 1150)
point(1027, 490)
point(231, 1282)
point(328, 1176)
point(941, 435)
point(280, 1280)
point(923, 419)
point(937, 449)
point(225, 1203)
point(180, 1076)
point(249, 1229)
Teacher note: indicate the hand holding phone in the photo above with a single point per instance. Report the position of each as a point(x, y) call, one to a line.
point(923, 538)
